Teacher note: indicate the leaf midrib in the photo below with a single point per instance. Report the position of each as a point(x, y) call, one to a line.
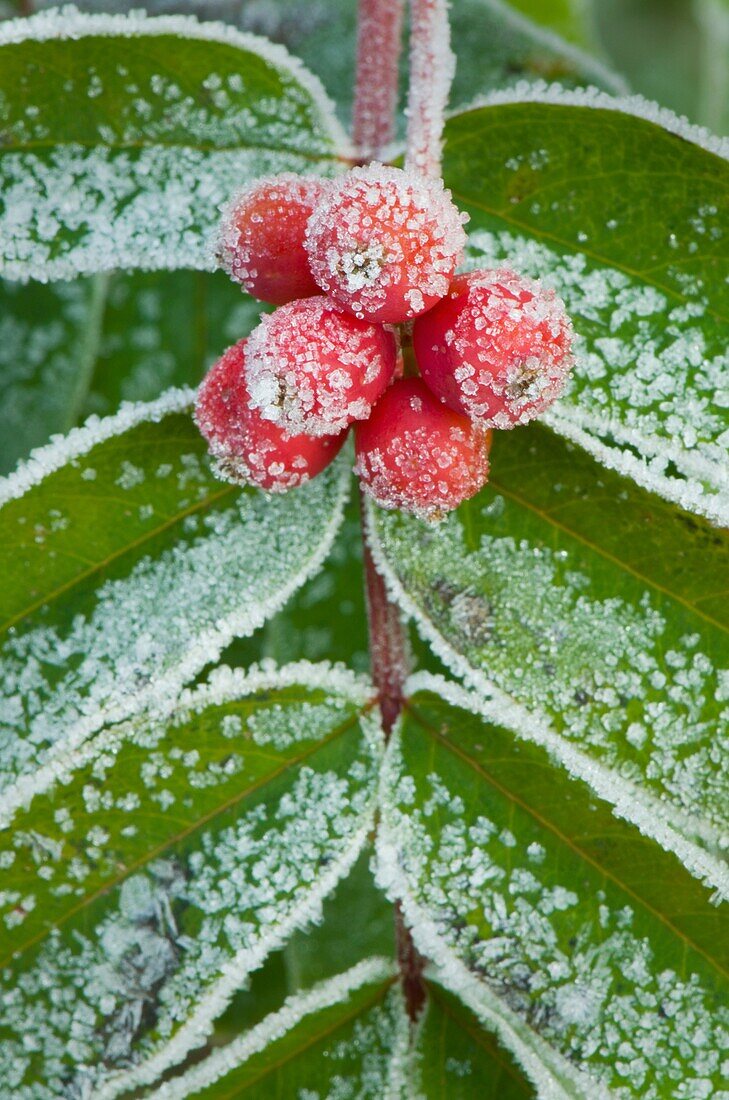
point(562, 837)
point(193, 827)
point(202, 147)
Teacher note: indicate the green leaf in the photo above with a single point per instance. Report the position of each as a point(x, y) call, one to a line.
point(123, 135)
point(127, 568)
point(498, 46)
point(166, 859)
point(625, 216)
point(590, 614)
point(348, 1033)
point(48, 344)
point(457, 1059)
point(165, 329)
point(74, 348)
point(595, 956)
point(568, 18)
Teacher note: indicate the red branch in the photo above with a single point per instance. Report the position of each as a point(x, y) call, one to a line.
point(379, 37)
point(389, 646)
point(432, 66)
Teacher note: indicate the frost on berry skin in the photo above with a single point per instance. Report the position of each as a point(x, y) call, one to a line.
point(312, 367)
point(416, 454)
point(261, 242)
point(249, 450)
point(497, 348)
point(384, 243)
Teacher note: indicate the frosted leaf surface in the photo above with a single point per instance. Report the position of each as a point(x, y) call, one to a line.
point(591, 613)
point(345, 1039)
point(640, 257)
point(178, 115)
point(603, 957)
point(185, 847)
point(129, 567)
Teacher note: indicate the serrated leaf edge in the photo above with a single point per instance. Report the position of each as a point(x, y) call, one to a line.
point(295, 1009)
point(628, 802)
point(551, 1074)
point(68, 22)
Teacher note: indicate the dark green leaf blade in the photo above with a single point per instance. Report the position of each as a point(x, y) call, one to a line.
point(590, 612)
point(621, 208)
point(347, 1036)
point(176, 852)
point(128, 567)
point(124, 135)
point(581, 942)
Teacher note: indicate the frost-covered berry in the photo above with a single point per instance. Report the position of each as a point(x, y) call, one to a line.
point(249, 450)
point(496, 348)
point(384, 243)
point(312, 367)
point(416, 454)
point(261, 242)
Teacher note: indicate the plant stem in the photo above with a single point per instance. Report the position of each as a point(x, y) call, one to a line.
point(432, 67)
point(379, 35)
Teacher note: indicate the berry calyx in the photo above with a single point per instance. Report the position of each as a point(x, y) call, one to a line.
point(311, 367)
point(496, 348)
point(261, 242)
point(249, 450)
point(384, 243)
point(416, 454)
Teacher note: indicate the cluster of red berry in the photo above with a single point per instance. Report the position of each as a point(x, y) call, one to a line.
point(362, 270)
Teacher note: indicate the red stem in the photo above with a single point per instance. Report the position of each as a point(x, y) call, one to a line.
point(432, 67)
point(379, 37)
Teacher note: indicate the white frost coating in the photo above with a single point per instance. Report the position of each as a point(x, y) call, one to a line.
point(100, 641)
point(63, 449)
point(141, 188)
point(296, 1008)
point(542, 92)
point(196, 1029)
point(552, 41)
point(226, 684)
point(689, 495)
point(69, 23)
point(666, 825)
point(553, 1077)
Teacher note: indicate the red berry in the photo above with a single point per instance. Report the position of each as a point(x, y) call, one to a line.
point(384, 243)
point(249, 450)
point(497, 348)
point(416, 454)
point(311, 367)
point(262, 237)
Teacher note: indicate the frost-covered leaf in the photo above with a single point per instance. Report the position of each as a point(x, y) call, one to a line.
point(597, 959)
point(127, 567)
point(48, 344)
point(123, 134)
point(177, 851)
point(592, 615)
point(456, 1058)
point(623, 209)
point(347, 1037)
